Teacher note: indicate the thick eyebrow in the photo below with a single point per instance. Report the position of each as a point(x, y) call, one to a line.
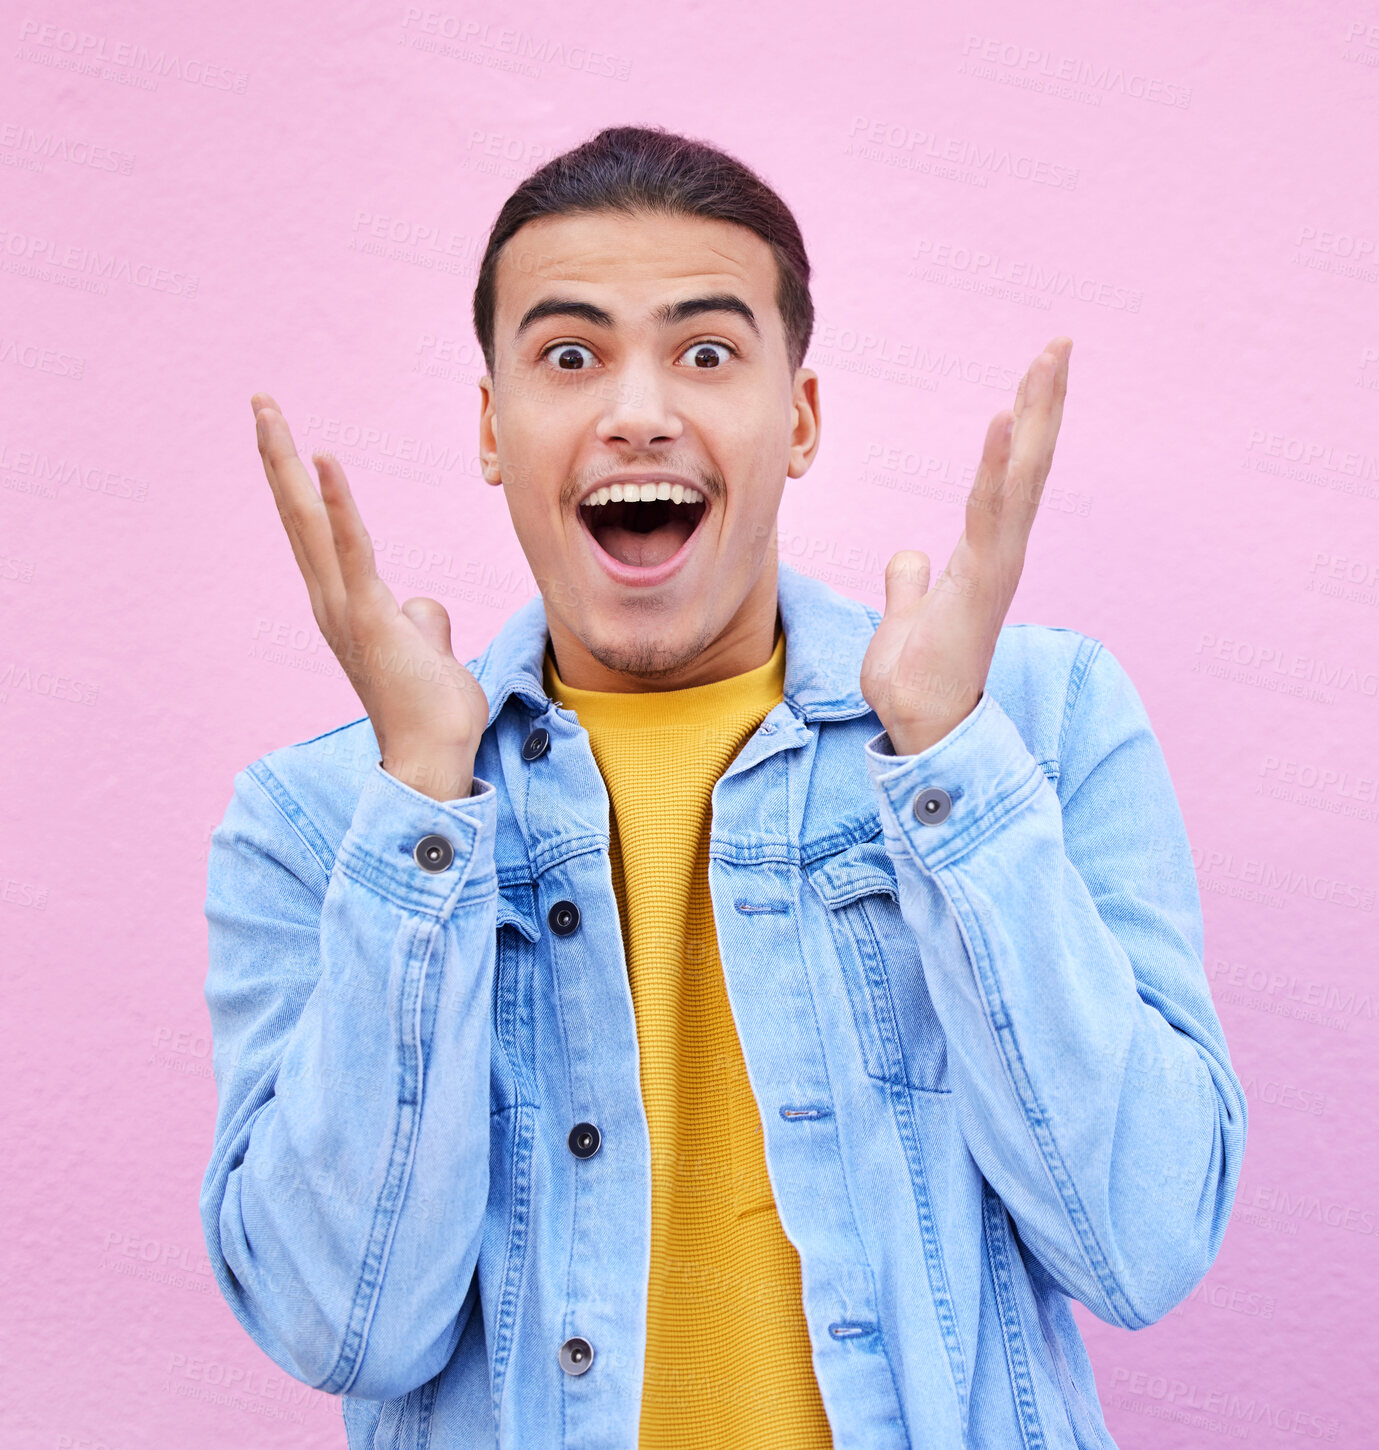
point(674, 312)
point(564, 307)
point(668, 314)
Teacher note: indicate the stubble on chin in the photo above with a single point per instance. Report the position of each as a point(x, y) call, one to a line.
point(649, 659)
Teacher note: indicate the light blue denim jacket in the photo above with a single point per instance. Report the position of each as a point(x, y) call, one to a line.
point(989, 1070)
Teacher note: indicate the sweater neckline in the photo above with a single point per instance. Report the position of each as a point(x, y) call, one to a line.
point(754, 691)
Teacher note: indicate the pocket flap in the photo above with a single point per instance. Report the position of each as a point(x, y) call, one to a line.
point(861, 870)
point(517, 907)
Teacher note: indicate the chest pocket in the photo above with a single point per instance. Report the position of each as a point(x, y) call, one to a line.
point(513, 1078)
point(882, 967)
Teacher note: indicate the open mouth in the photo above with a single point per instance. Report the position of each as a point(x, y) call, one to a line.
point(643, 525)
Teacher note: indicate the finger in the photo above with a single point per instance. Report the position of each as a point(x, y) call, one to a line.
point(907, 580)
point(432, 622)
point(299, 505)
point(313, 587)
point(353, 546)
point(987, 498)
point(1038, 417)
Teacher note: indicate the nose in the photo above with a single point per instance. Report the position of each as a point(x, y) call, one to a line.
point(638, 410)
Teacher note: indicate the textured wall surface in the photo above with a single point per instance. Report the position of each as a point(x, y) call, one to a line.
point(203, 201)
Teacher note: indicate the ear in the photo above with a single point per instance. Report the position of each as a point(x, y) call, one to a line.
point(804, 431)
point(488, 431)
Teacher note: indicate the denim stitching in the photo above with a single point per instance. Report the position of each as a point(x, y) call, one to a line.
point(1017, 1361)
point(512, 914)
point(405, 1129)
point(391, 1419)
point(1082, 666)
point(982, 826)
point(859, 996)
point(515, 1253)
point(754, 853)
point(426, 1405)
point(1036, 1120)
point(557, 850)
point(803, 956)
point(568, 1062)
point(512, 959)
point(389, 886)
point(933, 1252)
point(303, 827)
point(1079, 1413)
point(878, 990)
point(856, 833)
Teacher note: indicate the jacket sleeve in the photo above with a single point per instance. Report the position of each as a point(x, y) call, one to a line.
point(349, 996)
point(1062, 948)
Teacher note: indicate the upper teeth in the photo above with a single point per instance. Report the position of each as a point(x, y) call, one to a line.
point(645, 493)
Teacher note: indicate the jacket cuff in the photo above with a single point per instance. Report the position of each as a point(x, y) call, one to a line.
point(391, 818)
point(949, 797)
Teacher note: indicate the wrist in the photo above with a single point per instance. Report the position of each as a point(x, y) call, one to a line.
point(913, 737)
point(440, 778)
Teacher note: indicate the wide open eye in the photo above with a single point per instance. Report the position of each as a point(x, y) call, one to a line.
point(569, 356)
point(707, 354)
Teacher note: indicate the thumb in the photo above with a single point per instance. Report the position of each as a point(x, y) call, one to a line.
point(432, 622)
point(907, 580)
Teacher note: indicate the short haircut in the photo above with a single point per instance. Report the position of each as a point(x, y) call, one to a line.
point(645, 169)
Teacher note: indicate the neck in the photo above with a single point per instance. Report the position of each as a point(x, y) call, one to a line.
point(746, 643)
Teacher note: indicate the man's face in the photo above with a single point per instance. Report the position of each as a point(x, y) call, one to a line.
point(644, 356)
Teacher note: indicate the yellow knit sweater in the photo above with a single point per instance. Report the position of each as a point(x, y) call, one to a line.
point(727, 1358)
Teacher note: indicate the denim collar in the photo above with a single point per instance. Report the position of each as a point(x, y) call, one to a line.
point(826, 636)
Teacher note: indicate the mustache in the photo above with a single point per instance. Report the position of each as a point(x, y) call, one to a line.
point(705, 477)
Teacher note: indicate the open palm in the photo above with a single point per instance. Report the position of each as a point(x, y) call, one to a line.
point(428, 712)
point(927, 663)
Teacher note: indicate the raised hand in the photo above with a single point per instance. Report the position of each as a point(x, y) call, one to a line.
point(927, 663)
point(428, 712)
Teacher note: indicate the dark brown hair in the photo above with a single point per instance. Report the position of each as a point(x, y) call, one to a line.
point(648, 169)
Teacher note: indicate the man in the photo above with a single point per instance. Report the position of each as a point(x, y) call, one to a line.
point(717, 1015)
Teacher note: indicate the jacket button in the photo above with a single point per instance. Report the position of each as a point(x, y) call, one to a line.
point(933, 805)
point(433, 853)
point(576, 1355)
point(584, 1140)
point(563, 918)
point(536, 744)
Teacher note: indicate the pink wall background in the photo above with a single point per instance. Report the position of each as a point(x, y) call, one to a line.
point(197, 204)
